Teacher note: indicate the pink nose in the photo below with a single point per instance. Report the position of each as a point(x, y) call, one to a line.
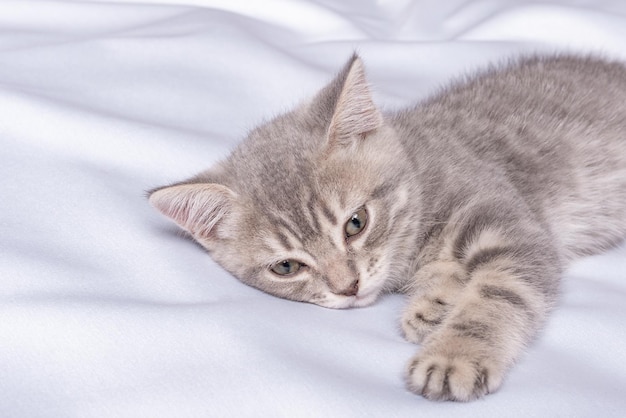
point(351, 290)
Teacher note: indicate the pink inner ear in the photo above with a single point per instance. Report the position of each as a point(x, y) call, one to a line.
point(196, 208)
point(355, 112)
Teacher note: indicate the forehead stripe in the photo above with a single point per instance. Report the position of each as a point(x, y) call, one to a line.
point(281, 223)
point(327, 213)
point(284, 241)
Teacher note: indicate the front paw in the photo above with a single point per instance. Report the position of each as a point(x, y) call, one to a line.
point(438, 286)
point(422, 316)
point(445, 377)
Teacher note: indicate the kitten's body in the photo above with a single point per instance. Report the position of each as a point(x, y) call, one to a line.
point(472, 203)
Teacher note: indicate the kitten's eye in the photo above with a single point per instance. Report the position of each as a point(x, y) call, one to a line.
point(356, 223)
point(287, 267)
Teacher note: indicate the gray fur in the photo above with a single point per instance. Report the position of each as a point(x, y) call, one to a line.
point(476, 200)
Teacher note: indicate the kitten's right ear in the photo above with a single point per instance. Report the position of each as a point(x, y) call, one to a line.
point(346, 105)
point(355, 113)
point(196, 207)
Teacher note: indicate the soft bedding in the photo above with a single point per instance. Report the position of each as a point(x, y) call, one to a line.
point(107, 311)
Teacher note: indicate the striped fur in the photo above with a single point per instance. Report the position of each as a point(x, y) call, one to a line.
point(472, 203)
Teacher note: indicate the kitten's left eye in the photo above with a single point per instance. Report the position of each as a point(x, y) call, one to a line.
point(356, 223)
point(287, 267)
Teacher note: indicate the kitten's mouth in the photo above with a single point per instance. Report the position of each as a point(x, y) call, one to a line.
point(346, 302)
point(365, 299)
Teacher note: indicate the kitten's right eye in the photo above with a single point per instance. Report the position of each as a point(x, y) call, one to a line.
point(286, 267)
point(356, 223)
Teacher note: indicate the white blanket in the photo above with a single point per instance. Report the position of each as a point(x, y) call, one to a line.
point(106, 311)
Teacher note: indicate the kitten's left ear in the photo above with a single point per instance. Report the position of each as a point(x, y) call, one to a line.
point(197, 208)
point(355, 114)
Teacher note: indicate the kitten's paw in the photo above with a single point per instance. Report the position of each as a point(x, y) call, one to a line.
point(456, 378)
point(438, 287)
point(422, 316)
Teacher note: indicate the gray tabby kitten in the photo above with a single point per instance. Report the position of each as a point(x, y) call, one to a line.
point(472, 203)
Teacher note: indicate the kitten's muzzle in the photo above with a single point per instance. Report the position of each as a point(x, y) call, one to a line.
point(351, 290)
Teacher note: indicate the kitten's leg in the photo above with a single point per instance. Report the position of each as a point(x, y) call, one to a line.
point(510, 288)
point(438, 285)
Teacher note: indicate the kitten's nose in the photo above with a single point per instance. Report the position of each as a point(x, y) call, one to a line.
point(351, 290)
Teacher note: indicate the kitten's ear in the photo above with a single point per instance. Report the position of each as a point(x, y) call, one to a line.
point(354, 112)
point(196, 208)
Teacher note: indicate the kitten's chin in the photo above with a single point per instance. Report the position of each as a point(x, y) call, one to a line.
point(333, 301)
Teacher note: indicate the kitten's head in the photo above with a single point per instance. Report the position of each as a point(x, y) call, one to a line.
point(312, 206)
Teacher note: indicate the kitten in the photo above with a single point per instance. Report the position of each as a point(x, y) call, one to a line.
point(472, 203)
